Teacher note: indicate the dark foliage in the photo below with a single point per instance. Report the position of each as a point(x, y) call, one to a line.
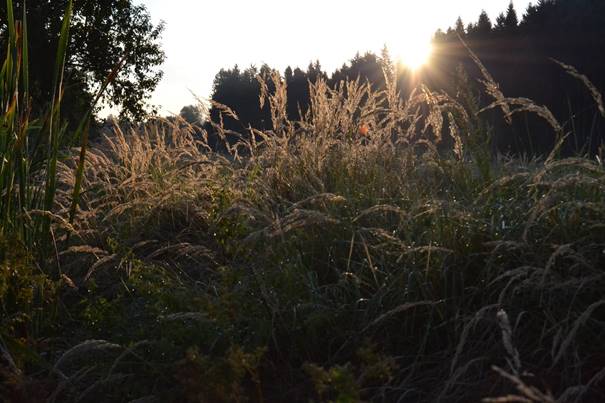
point(517, 53)
point(519, 56)
point(102, 34)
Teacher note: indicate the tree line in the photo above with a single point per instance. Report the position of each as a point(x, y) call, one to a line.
point(519, 52)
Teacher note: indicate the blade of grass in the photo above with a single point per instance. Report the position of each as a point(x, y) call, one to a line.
point(53, 127)
point(83, 128)
point(25, 54)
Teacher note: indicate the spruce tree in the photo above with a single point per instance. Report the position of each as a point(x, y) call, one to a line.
point(484, 25)
point(511, 21)
point(459, 27)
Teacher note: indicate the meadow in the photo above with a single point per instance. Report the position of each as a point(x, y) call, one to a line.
point(376, 250)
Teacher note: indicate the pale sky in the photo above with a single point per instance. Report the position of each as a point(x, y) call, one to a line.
point(201, 36)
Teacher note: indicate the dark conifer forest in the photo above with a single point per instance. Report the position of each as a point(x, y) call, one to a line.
point(521, 51)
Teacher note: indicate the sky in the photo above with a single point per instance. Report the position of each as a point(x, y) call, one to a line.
point(201, 37)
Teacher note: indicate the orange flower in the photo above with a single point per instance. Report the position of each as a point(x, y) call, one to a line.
point(364, 129)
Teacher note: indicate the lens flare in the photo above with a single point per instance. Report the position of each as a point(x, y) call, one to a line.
point(414, 54)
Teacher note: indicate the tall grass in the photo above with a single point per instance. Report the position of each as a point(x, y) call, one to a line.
point(30, 147)
point(320, 262)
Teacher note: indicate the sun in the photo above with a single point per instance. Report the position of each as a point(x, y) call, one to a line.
point(414, 54)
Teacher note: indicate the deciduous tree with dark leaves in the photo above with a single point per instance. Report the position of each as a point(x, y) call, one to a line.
point(103, 33)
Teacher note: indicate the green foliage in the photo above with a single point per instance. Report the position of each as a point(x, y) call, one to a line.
point(218, 379)
point(337, 381)
point(103, 34)
point(30, 148)
point(22, 289)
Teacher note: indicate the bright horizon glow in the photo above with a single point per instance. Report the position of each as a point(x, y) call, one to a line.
point(407, 34)
point(201, 37)
point(413, 54)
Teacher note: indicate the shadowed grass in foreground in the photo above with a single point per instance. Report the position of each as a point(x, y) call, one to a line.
point(321, 262)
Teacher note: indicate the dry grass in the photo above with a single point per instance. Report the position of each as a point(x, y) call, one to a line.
point(594, 91)
point(385, 265)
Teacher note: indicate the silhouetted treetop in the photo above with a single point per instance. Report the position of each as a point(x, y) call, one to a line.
point(193, 114)
point(483, 27)
point(459, 27)
point(516, 53)
point(511, 21)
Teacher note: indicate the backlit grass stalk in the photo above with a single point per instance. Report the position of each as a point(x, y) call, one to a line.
point(14, 126)
point(55, 129)
point(31, 148)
